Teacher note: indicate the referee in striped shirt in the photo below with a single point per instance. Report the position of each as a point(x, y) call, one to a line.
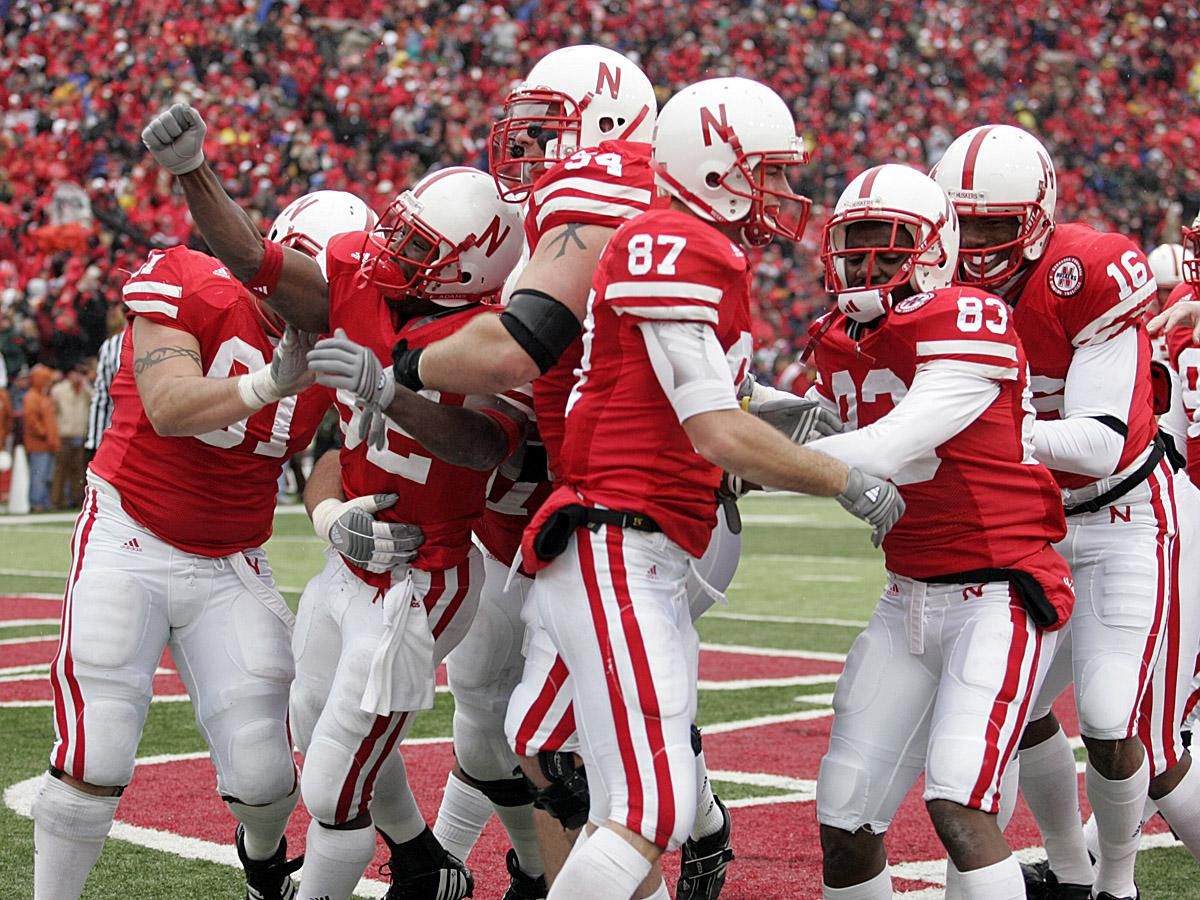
point(107, 362)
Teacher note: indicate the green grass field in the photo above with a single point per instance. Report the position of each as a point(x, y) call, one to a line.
point(807, 581)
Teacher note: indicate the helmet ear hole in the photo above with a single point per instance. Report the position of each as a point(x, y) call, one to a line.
point(713, 180)
point(464, 277)
point(606, 124)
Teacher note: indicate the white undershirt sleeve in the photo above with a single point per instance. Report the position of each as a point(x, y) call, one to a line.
point(943, 400)
point(690, 365)
point(1099, 382)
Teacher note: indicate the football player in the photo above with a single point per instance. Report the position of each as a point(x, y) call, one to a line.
point(1077, 298)
point(167, 553)
point(933, 386)
point(650, 424)
point(365, 665)
point(1166, 265)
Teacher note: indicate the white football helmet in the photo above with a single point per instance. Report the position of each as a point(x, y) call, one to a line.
point(1166, 263)
point(725, 148)
point(1000, 171)
point(309, 222)
point(450, 239)
point(1190, 265)
point(907, 201)
point(574, 98)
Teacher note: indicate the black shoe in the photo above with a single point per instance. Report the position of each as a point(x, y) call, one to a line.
point(1042, 884)
point(268, 879)
point(702, 868)
point(451, 881)
point(522, 886)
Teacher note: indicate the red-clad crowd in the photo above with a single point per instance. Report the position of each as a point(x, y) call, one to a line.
point(365, 95)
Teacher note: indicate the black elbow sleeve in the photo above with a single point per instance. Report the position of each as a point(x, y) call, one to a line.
point(541, 325)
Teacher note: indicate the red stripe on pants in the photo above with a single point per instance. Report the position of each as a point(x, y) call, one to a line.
point(1148, 655)
point(389, 745)
point(1000, 707)
point(364, 751)
point(616, 699)
point(647, 696)
point(537, 712)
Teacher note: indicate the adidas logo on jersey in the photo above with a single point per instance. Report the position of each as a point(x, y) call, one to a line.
point(221, 272)
point(132, 545)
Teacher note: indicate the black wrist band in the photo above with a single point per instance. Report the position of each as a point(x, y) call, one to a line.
point(404, 366)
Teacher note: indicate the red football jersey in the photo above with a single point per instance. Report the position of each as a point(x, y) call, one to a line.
point(1184, 357)
point(444, 500)
point(1088, 287)
point(212, 494)
point(980, 500)
point(624, 446)
point(606, 185)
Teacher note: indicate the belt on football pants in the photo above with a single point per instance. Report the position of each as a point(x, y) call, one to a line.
point(554, 535)
point(1030, 591)
point(1136, 477)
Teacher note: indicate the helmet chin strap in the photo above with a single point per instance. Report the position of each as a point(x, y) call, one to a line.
point(865, 305)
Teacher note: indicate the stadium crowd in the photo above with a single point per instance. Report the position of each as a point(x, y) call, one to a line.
point(366, 95)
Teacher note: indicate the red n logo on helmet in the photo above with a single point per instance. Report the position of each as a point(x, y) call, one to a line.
point(606, 76)
point(709, 121)
point(492, 236)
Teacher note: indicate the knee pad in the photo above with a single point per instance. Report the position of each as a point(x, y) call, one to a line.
point(843, 788)
point(109, 751)
point(257, 767)
point(480, 745)
point(321, 780)
point(502, 791)
point(566, 799)
point(1107, 695)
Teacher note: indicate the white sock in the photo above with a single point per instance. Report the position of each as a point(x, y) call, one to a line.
point(1118, 806)
point(461, 817)
point(1181, 809)
point(1009, 789)
point(999, 881)
point(393, 808)
point(604, 867)
point(1050, 785)
point(522, 833)
point(708, 815)
point(69, 828)
point(334, 860)
point(661, 893)
point(878, 888)
point(1091, 837)
point(263, 826)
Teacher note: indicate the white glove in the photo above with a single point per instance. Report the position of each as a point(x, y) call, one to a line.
point(286, 375)
point(175, 139)
point(875, 501)
point(342, 364)
point(351, 529)
point(799, 420)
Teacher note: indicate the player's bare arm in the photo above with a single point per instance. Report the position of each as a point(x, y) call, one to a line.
point(460, 436)
point(496, 353)
point(179, 400)
point(300, 293)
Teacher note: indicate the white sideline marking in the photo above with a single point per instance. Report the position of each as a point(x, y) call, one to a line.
point(779, 719)
point(22, 623)
point(23, 595)
point(30, 639)
point(46, 704)
point(33, 573)
point(784, 620)
point(771, 651)
point(744, 684)
point(39, 671)
point(799, 519)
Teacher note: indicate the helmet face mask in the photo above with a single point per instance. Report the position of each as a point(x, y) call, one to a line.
point(995, 263)
point(1191, 255)
point(766, 180)
point(539, 127)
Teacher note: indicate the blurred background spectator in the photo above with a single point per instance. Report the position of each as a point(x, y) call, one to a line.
point(40, 436)
point(72, 398)
point(365, 95)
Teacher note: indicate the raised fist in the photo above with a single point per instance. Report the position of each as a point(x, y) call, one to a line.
point(176, 139)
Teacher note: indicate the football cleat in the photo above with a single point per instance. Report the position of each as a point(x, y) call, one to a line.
point(1042, 884)
point(268, 879)
point(522, 886)
point(704, 861)
point(450, 881)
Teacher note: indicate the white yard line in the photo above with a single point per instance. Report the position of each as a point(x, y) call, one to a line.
point(783, 620)
point(745, 684)
point(772, 651)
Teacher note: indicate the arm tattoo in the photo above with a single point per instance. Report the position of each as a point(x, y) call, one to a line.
point(160, 354)
point(570, 234)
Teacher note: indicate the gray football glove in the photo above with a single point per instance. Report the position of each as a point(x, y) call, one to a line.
point(175, 138)
point(875, 501)
point(342, 364)
point(287, 374)
point(797, 418)
point(372, 427)
point(351, 528)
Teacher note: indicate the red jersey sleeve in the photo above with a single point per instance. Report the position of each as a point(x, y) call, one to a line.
point(1114, 291)
point(182, 289)
point(661, 266)
point(605, 185)
point(969, 327)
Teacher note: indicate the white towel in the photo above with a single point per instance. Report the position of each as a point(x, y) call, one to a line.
point(402, 669)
